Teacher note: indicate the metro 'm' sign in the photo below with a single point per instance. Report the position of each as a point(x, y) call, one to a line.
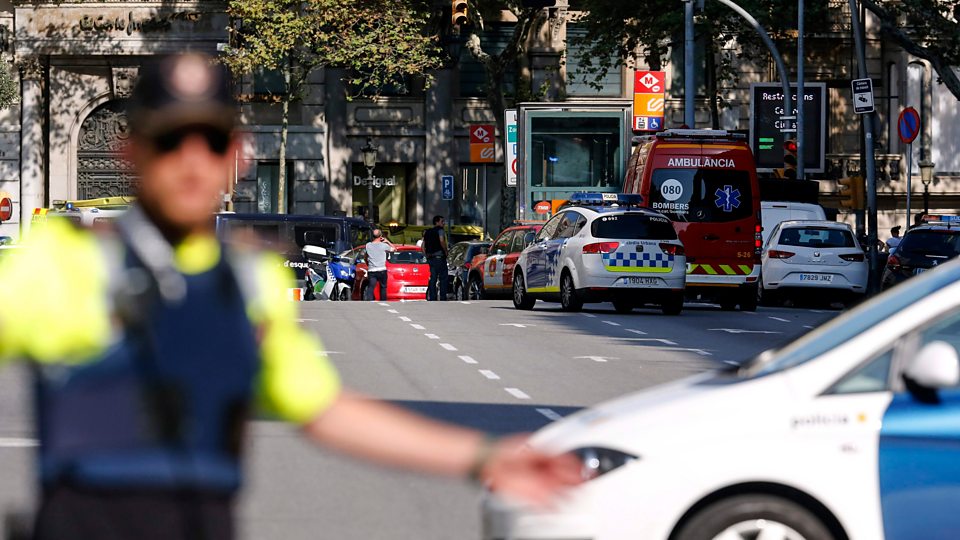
point(649, 97)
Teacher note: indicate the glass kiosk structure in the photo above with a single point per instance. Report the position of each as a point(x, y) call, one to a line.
point(567, 148)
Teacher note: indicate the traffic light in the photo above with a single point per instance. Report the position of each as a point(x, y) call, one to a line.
point(852, 192)
point(790, 159)
point(458, 12)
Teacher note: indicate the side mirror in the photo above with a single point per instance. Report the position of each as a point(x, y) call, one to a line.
point(936, 366)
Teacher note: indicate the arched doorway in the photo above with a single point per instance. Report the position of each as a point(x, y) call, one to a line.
point(101, 170)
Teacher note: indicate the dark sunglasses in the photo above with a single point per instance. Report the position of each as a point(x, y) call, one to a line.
point(217, 140)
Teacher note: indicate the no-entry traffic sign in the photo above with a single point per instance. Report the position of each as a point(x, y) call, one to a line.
point(6, 208)
point(909, 125)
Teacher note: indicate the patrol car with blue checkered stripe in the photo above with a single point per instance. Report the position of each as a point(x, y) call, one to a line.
point(603, 247)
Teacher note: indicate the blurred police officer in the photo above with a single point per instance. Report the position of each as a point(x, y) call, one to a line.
point(154, 345)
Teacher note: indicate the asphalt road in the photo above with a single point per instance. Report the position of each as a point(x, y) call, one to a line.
point(481, 364)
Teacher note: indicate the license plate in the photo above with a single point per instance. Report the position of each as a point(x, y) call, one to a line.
point(822, 278)
point(638, 280)
point(415, 289)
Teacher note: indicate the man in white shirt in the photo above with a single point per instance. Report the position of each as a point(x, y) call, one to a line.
point(377, 250)
point(894, 240)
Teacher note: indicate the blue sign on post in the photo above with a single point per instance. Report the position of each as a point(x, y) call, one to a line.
point(446, 187)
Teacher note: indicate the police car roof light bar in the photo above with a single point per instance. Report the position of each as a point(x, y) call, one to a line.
point(625, 200)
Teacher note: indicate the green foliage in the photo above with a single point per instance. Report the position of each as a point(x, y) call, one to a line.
point(9, 89)
point(927, 29)
point(377, 41)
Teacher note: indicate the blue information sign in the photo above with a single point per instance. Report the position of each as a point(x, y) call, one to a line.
point(446, 187)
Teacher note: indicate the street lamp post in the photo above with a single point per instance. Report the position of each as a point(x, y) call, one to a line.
point(926, 176)
point(369, 152)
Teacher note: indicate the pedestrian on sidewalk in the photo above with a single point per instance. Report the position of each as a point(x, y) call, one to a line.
point(435, 248)
point(148, 370)
point(893, 242)
point(377, 250)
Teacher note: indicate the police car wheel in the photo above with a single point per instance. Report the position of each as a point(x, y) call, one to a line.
point(521, 300)
point(754, 516)
point(344, 294)
point(569, 299)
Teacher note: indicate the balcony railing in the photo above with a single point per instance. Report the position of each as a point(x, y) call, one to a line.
point(887, 167)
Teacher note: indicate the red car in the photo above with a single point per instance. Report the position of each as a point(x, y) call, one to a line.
point(407, 274)
point(492, 273)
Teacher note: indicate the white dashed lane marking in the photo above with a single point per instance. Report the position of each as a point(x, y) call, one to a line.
point(659, 340)
point(489, 374)
point(448, 346)
point(405, 319)
point(591, 315)
point(551, 414)
point(384, 304)
point(611, 323)
point(321, 353)
point(432, 336)
point(417, 326)
point(638, 332)
point(808, 327)
point(468, 360)
point(392, 311)
point(595, 358)
point(778, 319)
point(516, 325)
point(517, 393)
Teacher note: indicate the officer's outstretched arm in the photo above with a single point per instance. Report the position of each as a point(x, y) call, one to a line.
point(389, 435)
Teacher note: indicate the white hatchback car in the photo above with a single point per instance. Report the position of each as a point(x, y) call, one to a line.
point(850, 432)
point(803, 258)
point(603, 248)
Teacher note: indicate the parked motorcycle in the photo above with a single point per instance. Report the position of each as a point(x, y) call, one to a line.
point(321, 281)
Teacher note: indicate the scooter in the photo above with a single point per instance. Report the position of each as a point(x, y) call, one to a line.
point(320, 282)
point(345, 273)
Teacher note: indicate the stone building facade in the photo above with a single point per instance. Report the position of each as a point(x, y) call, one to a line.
point(77, 60)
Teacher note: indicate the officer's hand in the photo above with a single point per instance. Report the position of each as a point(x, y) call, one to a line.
point(518, 471)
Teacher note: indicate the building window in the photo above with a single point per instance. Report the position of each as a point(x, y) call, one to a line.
point(473, 75)
point(581, 79)
point(268, 82)
point(268, 187)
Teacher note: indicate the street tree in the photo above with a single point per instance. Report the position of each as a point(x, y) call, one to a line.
point(500, 64)
point(617, 33)
point(377, 42)
point(9, 89)
point(927, 29)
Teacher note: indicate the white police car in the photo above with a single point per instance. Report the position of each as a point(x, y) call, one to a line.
point(603, 248)
point(850, 432)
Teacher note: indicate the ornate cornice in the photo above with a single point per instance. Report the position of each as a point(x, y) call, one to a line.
point(31, 68)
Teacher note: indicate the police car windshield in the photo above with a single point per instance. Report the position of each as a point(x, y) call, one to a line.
point(633, 226)
point(852, 323)
point(701, 195)
point(931, 242)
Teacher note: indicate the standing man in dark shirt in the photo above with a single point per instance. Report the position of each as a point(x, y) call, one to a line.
point(435, 248)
